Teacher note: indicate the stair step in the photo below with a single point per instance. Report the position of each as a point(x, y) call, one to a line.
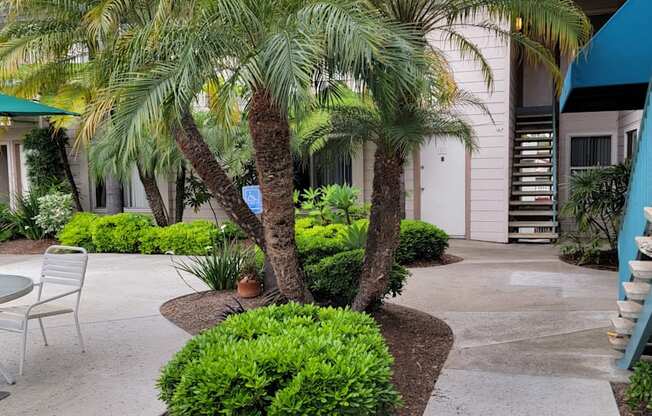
point(533, 139)
point(532, 193)
point(533, 174)
point(641, 269)
point(532, 183)
point(644, 245)
point(532, 203)
point(544, 147)
point(533, 165)
point(532, 223)
point(636, 290)
point(648, 213)
point(531, 213)
point(623, 326)
point(534, 156)
point(629, 309)
point(617, 341)
point(534, 236)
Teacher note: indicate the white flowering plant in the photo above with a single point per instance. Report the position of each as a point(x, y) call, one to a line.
point(55, 210)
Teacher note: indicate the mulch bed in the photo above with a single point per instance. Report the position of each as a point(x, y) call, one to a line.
point(443, 261)
point(24, 246)
point(619, 390)
point(612, 267)
point(420, 343)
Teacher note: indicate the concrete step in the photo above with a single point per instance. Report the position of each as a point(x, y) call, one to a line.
point(540, 147)
point(533, 224)
point(623, 326)
point(641, 269)
point(648, 213)
point(545, 202)
point(629, 309)
point(532, 183)
point(532, 193)
point(618, 342)
point(636, 290)
point(644, 245)
point(532, 165)
point(534, 236)
point(532, 213)
point(546, 174)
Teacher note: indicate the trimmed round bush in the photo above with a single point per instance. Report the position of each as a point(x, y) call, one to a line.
point(313, 244)
point(120, 233)
point(334, 280)
point(192, 238)
point(420, 240)
point(283, 360)
point(78, 231)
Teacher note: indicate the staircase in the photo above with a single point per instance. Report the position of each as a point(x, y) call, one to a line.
point(632, 329)
point(532, 204)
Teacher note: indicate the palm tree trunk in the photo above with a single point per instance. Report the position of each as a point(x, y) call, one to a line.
point(113, 191)
point(197, 152)
point(270, 133)
point(63, 153)
point(384, 228)
point(154, 198)
point(179, 195)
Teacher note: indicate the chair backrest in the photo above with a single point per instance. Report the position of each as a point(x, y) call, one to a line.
point(64, 265)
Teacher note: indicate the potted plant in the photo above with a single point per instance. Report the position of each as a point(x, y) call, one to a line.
point(249, 284)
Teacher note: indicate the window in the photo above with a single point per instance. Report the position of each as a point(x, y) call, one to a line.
point(318, 172)
point(133, 192)
point(100, 195)
point(632, 139)
point(590, 151)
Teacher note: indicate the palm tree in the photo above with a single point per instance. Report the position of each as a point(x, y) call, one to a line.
point(269, 53)
point(548, 24)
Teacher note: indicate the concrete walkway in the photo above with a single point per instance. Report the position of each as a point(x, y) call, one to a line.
point(127, 342)
point(529, 332)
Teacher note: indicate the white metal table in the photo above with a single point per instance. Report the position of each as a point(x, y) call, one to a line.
point(12, 287)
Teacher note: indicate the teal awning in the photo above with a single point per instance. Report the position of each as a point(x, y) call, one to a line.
point(15, 107)
point(613, 71)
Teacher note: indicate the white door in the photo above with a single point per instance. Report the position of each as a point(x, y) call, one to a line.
point(443, 181)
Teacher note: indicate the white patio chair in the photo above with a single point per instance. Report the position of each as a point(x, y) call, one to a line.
point(63, 266)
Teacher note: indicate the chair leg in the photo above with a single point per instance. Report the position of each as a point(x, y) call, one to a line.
point(79, 334)
point(45, 339)
point(23, 351)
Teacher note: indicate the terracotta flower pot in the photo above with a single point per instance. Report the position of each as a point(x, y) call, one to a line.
point(249, 288)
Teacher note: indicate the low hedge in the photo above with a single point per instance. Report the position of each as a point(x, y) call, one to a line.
point(135, 233)
point(334, 280)
point(420, 241)
point(283, 360)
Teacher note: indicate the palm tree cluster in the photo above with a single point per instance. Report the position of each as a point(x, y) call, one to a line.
point(137, 67)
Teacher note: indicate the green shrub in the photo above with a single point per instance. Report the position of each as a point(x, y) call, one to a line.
point(231, 231)
point(639, 393)
point(23, 217)
point(420, 240)
point(315, 243)
point(120, 233)
point(55, 210)
point(283, 360)
point(334, 280)
point(192, 238)
point(304, 223)
point(79, 231)
point(355, 235)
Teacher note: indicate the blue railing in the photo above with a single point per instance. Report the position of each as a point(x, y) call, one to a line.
point(633, 225)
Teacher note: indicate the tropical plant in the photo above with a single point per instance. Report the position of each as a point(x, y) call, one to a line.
point(355, 235)
point(341, 199)
point(597, 201)
point(427, 106)
point(23, 216)
point(221, 267)
point(54, 211)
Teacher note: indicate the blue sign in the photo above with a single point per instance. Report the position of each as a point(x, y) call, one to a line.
point(253, 198)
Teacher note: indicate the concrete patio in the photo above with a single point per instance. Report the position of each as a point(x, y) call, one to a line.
point(530, 332)
point(529, 336)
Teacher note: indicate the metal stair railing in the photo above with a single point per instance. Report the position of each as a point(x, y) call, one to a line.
point(634, 224)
